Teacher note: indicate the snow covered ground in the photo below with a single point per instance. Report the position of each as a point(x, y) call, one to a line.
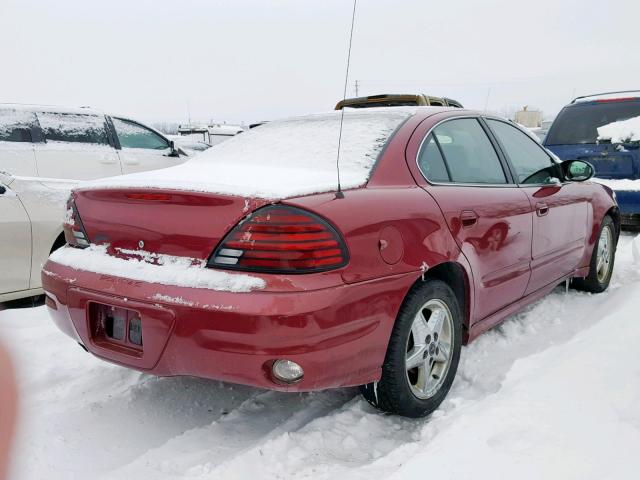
point(553, 393)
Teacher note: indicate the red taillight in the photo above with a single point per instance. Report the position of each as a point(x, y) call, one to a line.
point(281, 239)
point(74, 232)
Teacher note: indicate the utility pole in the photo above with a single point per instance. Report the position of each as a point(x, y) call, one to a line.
point(486, 101)
point(357, 88)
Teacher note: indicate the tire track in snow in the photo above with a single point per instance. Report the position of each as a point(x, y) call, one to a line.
point(122, 427)
point(199, 452)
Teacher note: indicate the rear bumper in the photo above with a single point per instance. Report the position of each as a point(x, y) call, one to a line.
point(629, 203)
point(338, 335)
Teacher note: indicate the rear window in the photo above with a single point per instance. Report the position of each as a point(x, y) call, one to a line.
point(283, 158)
point(579, 123)
point(311, 143)
point(73, 128)
point(15, 125)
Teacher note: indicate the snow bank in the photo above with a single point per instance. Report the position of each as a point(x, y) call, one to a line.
point(281, 159)
point(621, 132)
point(169, 270)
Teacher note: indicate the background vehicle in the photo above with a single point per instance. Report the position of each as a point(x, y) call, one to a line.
point(188, 144)
point(47, 150)
point(397, 100)
point(30, 229)
point(574, 135)
point(449, 222)
point(211, 134)
point(78, 143)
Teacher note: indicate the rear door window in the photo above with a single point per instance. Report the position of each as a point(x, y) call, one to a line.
point(73, 128)
point(530, 162)
point(134, 135)
point(468, 153)
point(16, 125)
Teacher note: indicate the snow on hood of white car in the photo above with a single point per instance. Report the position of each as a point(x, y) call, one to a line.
point(281, 159)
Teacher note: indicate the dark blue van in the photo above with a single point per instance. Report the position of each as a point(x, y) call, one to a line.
point(574, 135)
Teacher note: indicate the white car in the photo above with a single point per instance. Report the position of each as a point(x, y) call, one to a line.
point(44, 152)
point(79, 143)
point(30, 229)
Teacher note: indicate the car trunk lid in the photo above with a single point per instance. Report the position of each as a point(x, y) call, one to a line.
point(167, 222)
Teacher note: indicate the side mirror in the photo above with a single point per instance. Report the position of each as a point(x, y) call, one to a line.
point(174, 151)
point(577, 170)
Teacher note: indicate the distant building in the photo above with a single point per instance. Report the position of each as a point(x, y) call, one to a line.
point(529, 118)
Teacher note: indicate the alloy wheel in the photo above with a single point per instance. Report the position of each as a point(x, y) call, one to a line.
point(429, 349)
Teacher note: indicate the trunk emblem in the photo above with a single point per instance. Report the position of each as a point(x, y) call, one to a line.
point(140, 244)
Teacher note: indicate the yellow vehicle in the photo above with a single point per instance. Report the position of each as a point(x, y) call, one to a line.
point(397, 100)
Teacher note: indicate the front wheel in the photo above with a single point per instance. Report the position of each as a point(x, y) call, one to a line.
point(423, 353)
point(602, 260)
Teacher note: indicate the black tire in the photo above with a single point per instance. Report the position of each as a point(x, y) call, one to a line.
point(594, 282)
point(393, 393)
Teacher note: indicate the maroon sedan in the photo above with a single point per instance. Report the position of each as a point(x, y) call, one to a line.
point(248, 265)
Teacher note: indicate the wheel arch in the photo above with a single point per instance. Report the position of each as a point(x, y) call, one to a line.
point(454, 275)
point(614, 213)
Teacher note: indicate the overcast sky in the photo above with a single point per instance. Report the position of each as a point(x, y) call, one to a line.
point(238, 60)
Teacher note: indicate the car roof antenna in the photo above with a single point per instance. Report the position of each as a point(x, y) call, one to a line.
point(339, 193)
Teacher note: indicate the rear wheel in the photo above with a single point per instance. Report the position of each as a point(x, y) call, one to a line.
point(423, 353)
point(602, 260)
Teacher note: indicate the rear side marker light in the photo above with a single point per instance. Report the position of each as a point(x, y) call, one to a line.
point(281, 239)
point(50, 302)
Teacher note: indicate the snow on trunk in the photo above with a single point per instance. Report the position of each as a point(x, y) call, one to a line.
point(155, 268)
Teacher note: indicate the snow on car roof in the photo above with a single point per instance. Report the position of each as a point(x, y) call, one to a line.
point(50, 108)
point(621, 131)
point(283, 158)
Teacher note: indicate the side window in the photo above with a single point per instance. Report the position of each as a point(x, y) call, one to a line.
point(431, 163)
point(132, 135)
point(73, 128)
point(468, 152)
point(530, 161)
point(15, 125)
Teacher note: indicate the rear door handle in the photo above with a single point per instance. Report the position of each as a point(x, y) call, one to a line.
point(468, 218)
point(542, 209)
